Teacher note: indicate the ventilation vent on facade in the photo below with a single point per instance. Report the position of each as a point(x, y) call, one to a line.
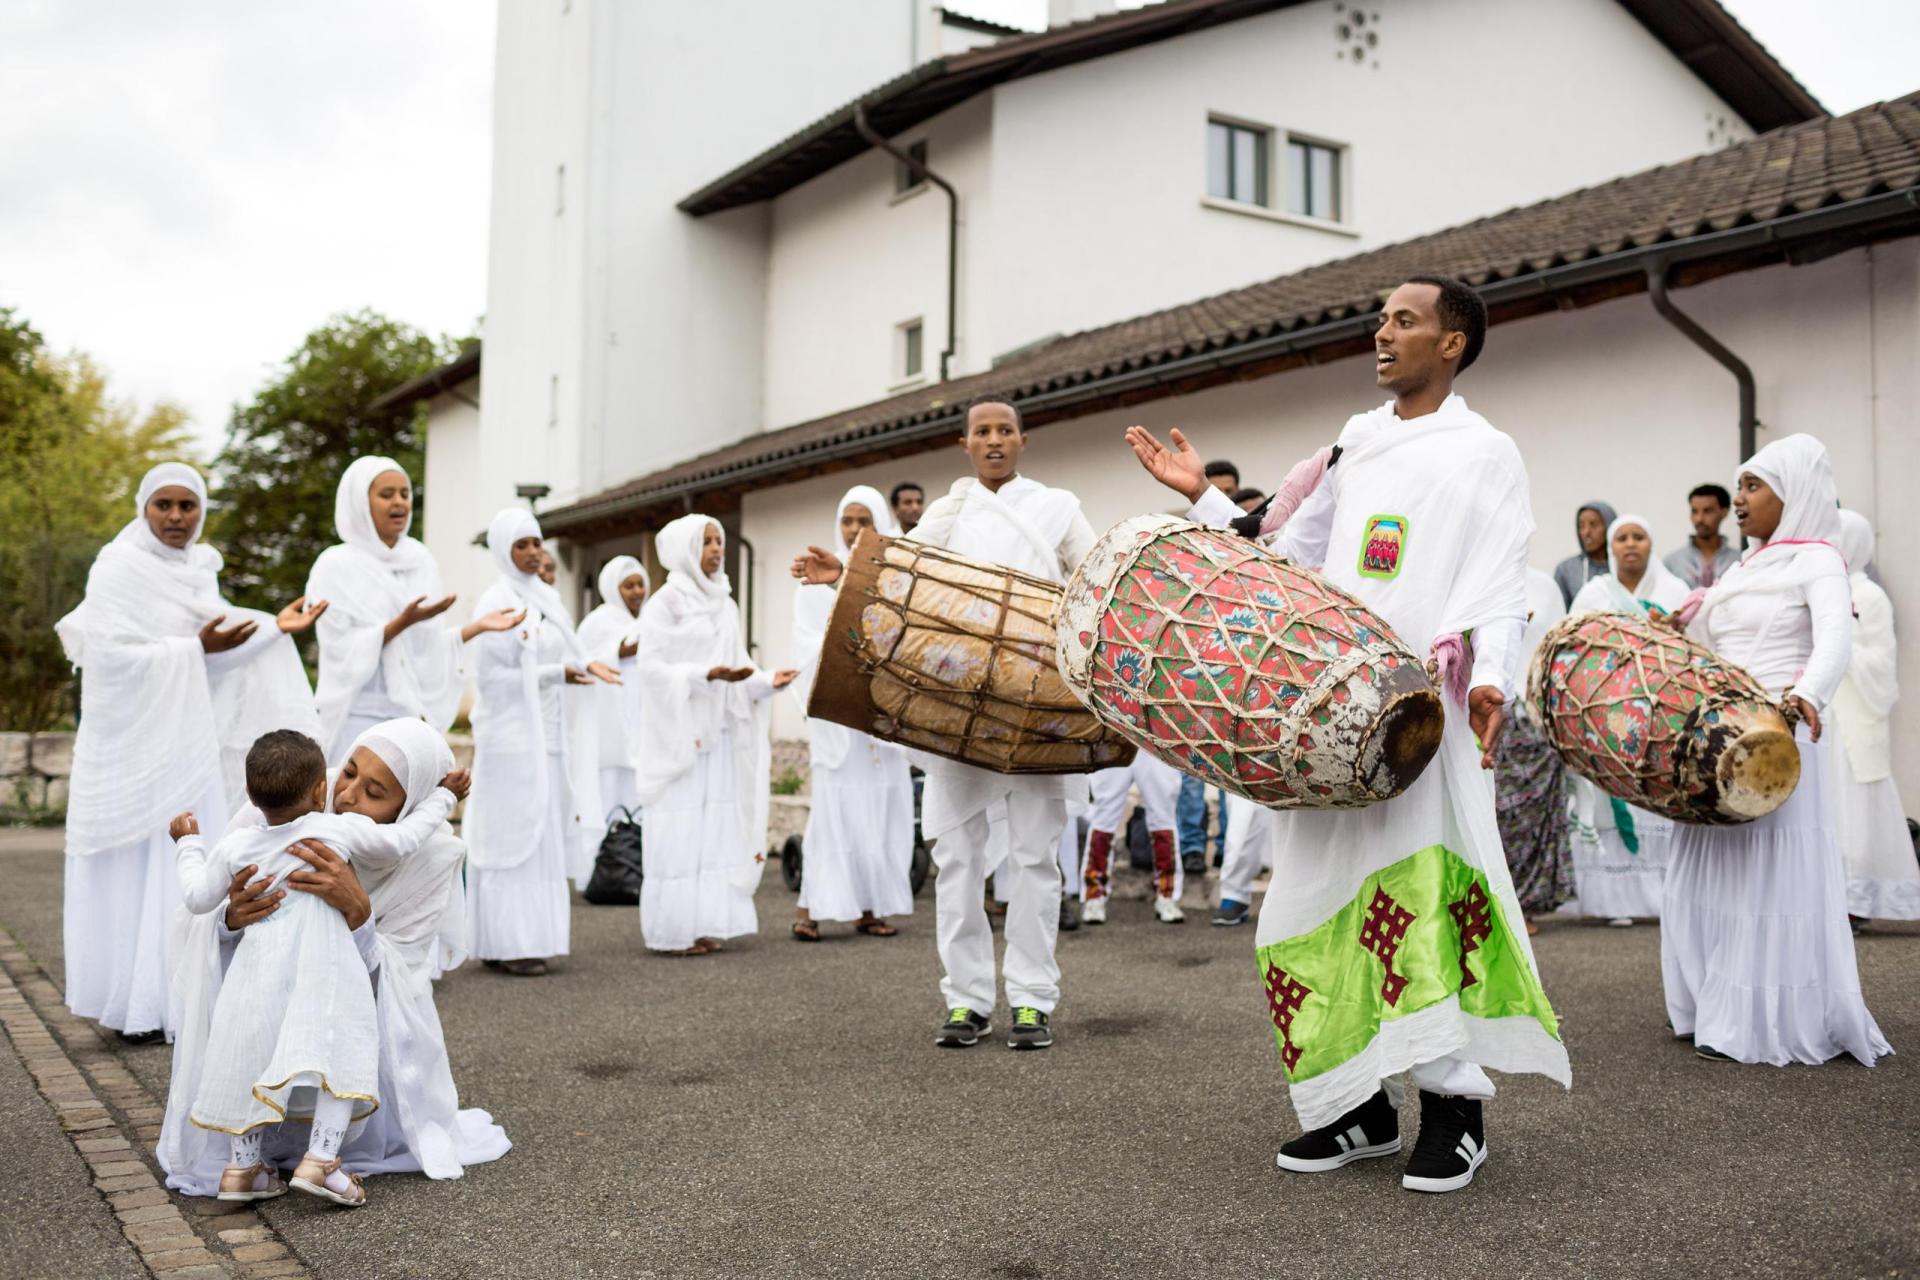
point(1722, 132)
point(1356, 33)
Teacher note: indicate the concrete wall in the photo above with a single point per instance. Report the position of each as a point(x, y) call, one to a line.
point(458, 504)
point(1606, 402)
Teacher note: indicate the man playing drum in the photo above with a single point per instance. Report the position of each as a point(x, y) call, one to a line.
point(999, 516)
point(1425, 519)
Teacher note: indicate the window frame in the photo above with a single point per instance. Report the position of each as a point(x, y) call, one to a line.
point(904, 335)
point(915, 183)
point(1277, 185)
point(1339, 151)
point(1264, 135)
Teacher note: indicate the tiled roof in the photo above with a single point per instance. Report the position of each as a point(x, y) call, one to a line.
point(1700, 33)
point(1808, 188)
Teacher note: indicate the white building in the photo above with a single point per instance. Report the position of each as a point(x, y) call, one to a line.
point(1252, 156)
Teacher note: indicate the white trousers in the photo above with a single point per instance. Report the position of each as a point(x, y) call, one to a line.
point(1249, 847)
point(1453, 1076)
point(1031, 877)
point(1069, 855)
point(1159, 794)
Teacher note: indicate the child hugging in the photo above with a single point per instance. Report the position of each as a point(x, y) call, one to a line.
point(294, 1033)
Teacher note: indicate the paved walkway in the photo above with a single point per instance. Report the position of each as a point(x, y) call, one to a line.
point(779, 1110)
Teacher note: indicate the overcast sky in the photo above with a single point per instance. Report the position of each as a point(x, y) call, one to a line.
point(187, 189)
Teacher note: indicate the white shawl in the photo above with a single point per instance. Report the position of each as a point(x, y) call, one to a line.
point(602, 632)
point(1659, 585)
point(1866, 696)
point(366, 584)
point(419, 921)
point(507, 813)
point(687, 628)
point(160, 718)
point(1021, 526)
point(828, 743)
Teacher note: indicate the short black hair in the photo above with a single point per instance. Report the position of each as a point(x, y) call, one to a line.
point(992, 397)
point(1462, 310)
point(1221, 467)
point(893, 499)
point(282, 767)
point(1246, 495)
point(1714, 491)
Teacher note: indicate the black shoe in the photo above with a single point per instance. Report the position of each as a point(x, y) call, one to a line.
point(1712, 1054)
point(1069, 914)
point(1452, 1144)
point(1193, 863)
point(1231, 913)
point(1031, 1029)
point(962, 1029)
point(1369, 1130)
point(140, 1037)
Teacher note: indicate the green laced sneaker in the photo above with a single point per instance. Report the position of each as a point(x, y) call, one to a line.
point(1031, 1029)
point(962, 1029)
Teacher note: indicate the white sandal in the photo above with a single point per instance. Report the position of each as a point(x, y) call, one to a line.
point(237, 1183)
point(311, 1177)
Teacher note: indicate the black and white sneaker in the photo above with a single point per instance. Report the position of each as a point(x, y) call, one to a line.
point(1032, 1029)
point(962, 1029)
point(1452, 1144)
point(1370, 1130)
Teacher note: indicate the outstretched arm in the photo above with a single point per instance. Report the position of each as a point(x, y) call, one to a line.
point(403, 837)
point(1179, 468)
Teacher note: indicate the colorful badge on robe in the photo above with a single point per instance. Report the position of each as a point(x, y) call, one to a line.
point(1382, 546)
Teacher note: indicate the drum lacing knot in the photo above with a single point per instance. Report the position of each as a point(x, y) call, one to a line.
point(1449, 667)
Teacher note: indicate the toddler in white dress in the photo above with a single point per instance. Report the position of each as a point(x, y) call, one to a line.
point(294, 1031)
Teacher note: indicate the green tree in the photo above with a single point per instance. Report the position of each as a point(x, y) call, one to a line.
point(72, 458)
point(276, 476)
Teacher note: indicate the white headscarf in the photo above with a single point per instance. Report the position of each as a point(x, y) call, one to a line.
point(1658, 584)
point(1856, 543)
point(1872, 685)
point(679, 546)
point(869, 497)
point(616, 708)
point(616, 571)
point(417, 754)
point(812, 610)
point(366, 584)
point(508, 526)
point(1805, 544)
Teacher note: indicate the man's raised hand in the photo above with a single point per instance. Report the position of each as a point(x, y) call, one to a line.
point(1179, 468)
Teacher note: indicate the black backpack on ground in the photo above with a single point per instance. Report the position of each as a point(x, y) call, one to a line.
point(617, 873)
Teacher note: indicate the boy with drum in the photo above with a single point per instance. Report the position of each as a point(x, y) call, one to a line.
point(999, 516)
point(1395, 942)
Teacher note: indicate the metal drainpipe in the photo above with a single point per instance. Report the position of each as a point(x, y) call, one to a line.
point(919, 170)
point(1742, 375)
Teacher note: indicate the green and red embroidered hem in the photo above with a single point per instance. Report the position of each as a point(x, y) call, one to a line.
point(1418, 933)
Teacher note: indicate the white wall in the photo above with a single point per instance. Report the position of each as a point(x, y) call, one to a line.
point(851, 260)
point(457, 506)
point(1606, 402)
point(1476, 106)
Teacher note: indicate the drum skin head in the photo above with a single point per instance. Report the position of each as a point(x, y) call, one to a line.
point(1758, 773)
point(1406, 737)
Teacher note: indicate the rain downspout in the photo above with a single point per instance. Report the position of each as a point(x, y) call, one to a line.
point(919, 170)
point(1742, 375)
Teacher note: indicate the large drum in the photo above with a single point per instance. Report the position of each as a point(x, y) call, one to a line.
point(955, 657)
point(1235, 666)
point(1649, 716)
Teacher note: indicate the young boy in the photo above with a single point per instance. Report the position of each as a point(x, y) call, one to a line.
point(294, 1029)
point(1393, 940)
point(999, 516)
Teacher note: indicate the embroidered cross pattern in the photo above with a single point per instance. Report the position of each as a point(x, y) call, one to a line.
point(1471, 917)
point(1284, 997)
point(1386, 924)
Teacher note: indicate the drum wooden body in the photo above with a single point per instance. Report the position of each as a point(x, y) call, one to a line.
point(1649, 716)
point(954, 657)
point(1235, 666)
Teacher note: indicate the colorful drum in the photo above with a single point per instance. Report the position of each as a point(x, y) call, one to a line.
point(1649, 716)
point(1235, 666)
point(955, 657)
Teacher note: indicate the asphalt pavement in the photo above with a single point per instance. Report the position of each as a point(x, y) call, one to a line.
point(780, 1110)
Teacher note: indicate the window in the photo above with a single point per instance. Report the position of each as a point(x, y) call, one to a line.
point(904, 178)
point(559, 190)
point(1237, 162)
point(909, 345)
point(1313, 180)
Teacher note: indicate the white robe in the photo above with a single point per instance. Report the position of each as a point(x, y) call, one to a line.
point(1427, 523)
point(616, 708)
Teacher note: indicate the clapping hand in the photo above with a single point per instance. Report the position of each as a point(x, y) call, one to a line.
point(418, 610)
point(818, 566)
point(781, 679)
point(729, 675)
point(299, 615)
point(1179, 468)
point(214, 640)
point(498, 620)
point(604, 671)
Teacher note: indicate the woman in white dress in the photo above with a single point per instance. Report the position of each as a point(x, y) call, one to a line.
point(1619, 850)
point(702, 760)
point(1758, 962)
point(611, 633)
point(175, 685)
point(1883, 879)
point(859, 839)
point(414, 926)
point(384, 654)
point(535, 806)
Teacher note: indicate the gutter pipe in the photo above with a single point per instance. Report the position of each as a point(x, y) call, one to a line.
point(1891, 207)
point(1742, 375)
point(925, 174)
